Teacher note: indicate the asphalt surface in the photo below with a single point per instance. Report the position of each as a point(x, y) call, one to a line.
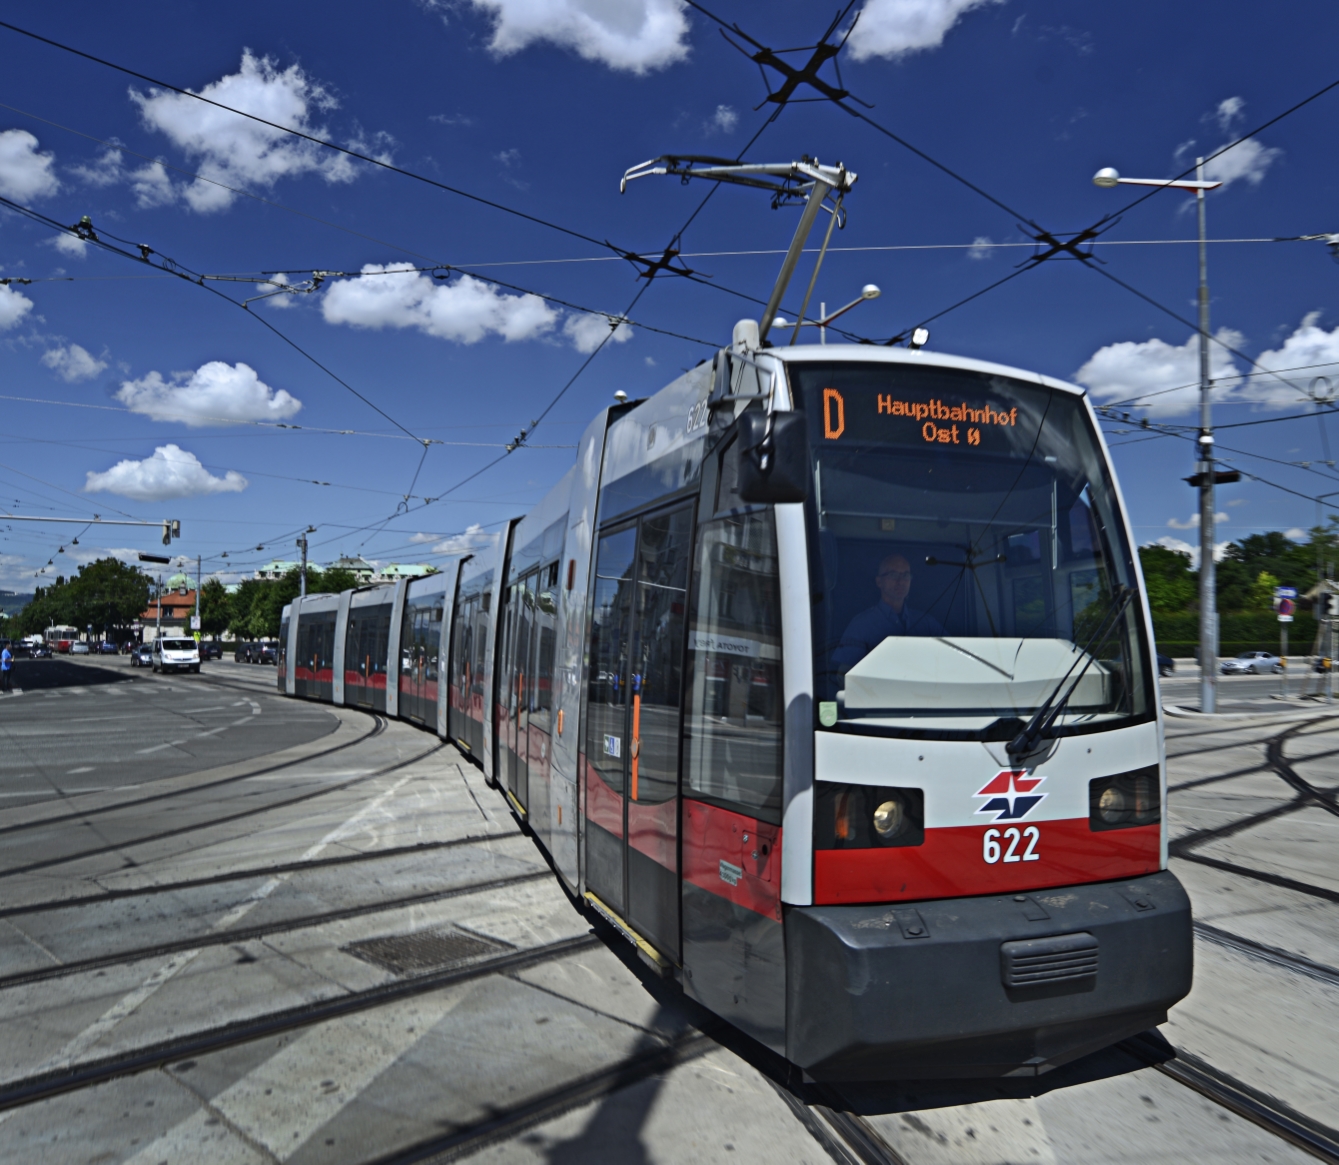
point(205, 963)
point(75, 725)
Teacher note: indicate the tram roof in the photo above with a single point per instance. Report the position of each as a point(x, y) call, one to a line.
point(867, 354)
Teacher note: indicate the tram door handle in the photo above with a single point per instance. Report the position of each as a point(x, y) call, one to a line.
point(757, 850)
point(636, 749)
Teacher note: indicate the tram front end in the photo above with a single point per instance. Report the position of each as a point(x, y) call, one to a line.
point(975, 869)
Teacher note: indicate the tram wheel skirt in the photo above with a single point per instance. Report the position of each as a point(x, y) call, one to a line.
point(918, 990)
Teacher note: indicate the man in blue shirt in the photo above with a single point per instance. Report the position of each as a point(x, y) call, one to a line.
point(6, 663)
point(889, 616)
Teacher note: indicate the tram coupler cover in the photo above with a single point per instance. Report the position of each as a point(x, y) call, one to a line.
point(990, 989)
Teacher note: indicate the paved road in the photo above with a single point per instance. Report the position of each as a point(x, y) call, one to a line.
point(73, 726)
point(209, 948)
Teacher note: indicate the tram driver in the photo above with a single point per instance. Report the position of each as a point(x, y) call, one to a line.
point(891, 615)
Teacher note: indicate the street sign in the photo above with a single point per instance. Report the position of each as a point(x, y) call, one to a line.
point(195, 624)
point(1285, 603)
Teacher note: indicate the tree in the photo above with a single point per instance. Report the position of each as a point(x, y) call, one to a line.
point(105, 594)
point(215, 609)
point(1262, 593)
point(1172, 585)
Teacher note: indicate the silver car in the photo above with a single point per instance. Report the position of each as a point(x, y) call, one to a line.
point(1252, 663)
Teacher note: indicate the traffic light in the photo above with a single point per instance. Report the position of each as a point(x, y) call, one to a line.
point(167, 533)
point(1327, 605)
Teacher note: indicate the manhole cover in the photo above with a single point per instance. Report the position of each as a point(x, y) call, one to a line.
point(424, 950)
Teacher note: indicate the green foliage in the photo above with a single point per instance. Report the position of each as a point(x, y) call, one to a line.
point(1172, 585)
point(1261, 596)
point(215, 608)
point(106, 594)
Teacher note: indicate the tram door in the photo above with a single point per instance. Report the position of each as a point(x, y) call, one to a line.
point(632, 723)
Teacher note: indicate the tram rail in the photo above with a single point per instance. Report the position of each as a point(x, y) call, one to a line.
point(41, 1086)
point(213, 822)
point(225, 938)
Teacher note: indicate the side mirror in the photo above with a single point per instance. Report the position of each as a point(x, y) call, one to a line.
point(773, 457)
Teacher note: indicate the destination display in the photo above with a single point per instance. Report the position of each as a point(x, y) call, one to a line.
point(862, 412)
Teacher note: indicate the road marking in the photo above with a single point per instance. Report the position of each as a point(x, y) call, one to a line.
point(130, 1003)
point(212, 731)
point(156, 747)
point(239, 723)
point(283, 1102)
point(84, 769)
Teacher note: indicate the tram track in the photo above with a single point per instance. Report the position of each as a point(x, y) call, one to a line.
point(1298, 964)
point(133, 843)
point(1268, 1112)
point(260, 930)
point(378, 727)
point(41, 1086)
point(418, 848)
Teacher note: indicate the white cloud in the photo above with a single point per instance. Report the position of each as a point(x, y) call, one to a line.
point(1228, 111)
point(274, 297)
point(473, 538)
point(73, 363)
point(1308, 346)
point(1193, 522)
point(71, 246)
point(171, 472)
point(981, 248)
point(587, 332)
point(1219, 549)
point(150, 184)
point(14, 305)
point(893, 28)
point(465, 310)
point(25, 174)
point(214, 394)
point(1133, 369)
point(1248, 159)
point(237, 151)
point(723, 120)
point(1296, 533)
point(635, 36)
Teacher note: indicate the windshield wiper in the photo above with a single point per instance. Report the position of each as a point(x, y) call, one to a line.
point(1045, 717)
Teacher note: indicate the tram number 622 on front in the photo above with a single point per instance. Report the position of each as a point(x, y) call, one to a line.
point(991, 850)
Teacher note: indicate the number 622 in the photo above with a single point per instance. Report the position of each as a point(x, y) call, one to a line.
point(992, 853)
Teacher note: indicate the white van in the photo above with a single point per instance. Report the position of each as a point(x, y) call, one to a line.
point(176, 655)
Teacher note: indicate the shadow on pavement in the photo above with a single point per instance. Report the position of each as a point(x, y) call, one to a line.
point(35, 674)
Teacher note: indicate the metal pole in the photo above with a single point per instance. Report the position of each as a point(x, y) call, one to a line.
point(302, 573)
point(1283, 656)
point(197, 586)
point(158, 632)
point(1208, 587)
point(811, 207)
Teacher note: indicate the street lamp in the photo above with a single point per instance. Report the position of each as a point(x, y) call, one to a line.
point(869, 291)
point(1205, 477)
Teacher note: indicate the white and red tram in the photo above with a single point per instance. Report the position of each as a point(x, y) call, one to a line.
point(825, 673)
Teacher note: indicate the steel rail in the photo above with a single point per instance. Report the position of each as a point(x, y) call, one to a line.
point(41, 1086)
point(1270, 1113)
point(51, 905)
point(225, 938)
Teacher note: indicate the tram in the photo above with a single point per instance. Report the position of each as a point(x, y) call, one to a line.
point(825, 674)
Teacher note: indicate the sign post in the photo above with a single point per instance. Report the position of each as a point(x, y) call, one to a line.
point(1285, 603)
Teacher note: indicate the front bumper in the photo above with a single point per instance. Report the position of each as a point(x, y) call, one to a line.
point(917, 990)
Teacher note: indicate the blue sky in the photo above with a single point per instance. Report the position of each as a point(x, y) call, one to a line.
point(149, 396)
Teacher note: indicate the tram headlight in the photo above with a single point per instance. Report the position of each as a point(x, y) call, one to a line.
point(1125, 800)
point(867, 816)
point(1111, 805)
point(890, 818)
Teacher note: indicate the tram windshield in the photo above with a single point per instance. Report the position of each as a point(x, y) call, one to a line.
point(970, 548)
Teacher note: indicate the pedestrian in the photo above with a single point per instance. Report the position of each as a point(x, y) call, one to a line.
point(6, 664)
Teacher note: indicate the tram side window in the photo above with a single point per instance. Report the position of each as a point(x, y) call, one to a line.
point(734, 720)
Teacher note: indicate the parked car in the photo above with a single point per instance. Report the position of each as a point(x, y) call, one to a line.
point(211, 649)
point(39, 651)
point(1166, 665)
point(142, 656)
point(1252, 663)
point(107, 648)
point(242, 652)
point(79, 647)
point(176, 654)
point(264, 653)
